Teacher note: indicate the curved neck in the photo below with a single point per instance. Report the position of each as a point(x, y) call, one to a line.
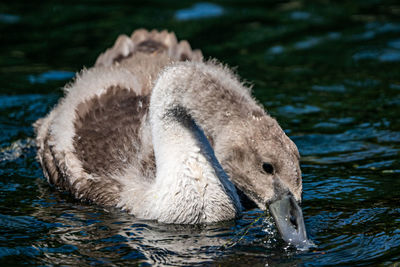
point(175, 139)
point(182, 150)
point(189, 175)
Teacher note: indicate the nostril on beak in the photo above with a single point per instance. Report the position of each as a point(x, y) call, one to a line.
point(292, 213)
point(293, 221)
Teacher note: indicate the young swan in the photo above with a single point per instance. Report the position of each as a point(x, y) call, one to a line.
point(130, 133)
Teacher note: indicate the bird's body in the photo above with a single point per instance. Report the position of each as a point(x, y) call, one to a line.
point(153, 129)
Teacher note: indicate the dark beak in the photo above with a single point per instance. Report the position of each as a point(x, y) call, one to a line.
point(290, 222)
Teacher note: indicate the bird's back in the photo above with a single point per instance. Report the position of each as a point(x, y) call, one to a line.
point(146, 53)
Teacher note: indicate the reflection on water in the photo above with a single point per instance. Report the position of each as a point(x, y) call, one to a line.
point(328, 72)
point(94, 235)
point(51, 76)
point(198, 11)
point(8, 18)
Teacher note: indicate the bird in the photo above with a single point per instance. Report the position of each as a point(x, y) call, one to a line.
point(156, 130)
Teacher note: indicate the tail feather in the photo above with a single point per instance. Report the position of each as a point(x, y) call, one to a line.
point(153, 42)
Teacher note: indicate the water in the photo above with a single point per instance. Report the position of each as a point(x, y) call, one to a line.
point(329, 72)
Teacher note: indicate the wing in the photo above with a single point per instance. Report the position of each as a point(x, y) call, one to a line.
point(94, 135)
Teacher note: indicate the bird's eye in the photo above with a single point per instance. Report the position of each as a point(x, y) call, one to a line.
point(268, 168)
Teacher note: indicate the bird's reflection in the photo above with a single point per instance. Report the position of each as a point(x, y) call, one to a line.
point(80, 232)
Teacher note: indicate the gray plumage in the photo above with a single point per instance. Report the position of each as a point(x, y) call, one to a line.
point(98, 141)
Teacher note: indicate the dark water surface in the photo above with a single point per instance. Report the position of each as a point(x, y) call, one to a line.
point(329, 71)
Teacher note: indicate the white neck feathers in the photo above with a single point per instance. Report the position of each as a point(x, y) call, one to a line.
point(190, 186)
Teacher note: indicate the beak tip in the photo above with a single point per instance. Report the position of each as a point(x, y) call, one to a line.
point(290, 222)
point(303, 245)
